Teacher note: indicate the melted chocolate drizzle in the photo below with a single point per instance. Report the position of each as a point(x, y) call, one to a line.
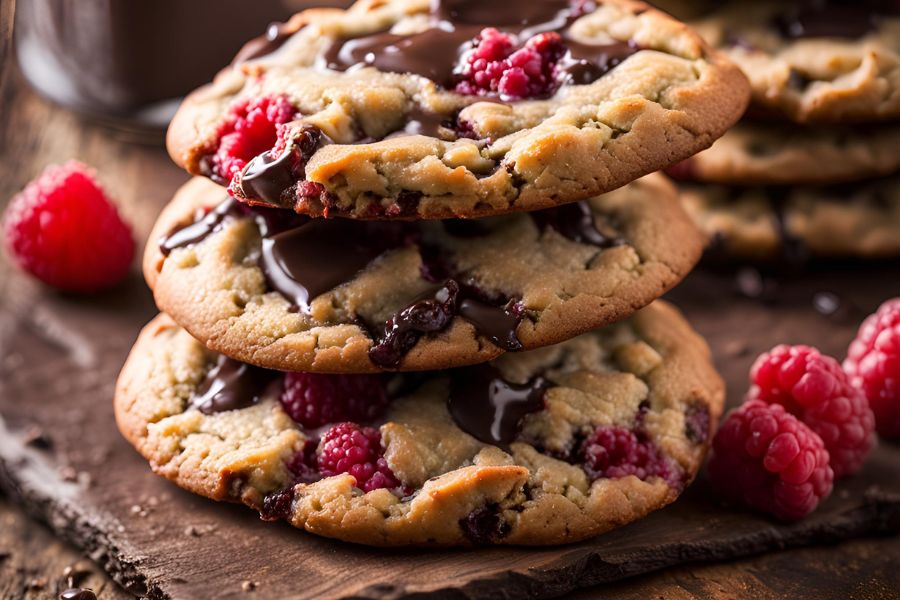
point(435, 52)
point(576, 222)
point(201, 228)
point(303, 258)
point(231, 385)
point(272, 179)
point(490, 408)
point(307, 261)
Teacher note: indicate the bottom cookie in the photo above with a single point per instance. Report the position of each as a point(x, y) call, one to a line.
point(858, 220)
point(548, 446)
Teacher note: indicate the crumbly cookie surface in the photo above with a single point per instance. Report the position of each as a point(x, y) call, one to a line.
point(764, 153)
point(668, 99)
point(852, 220)
point(647, 381)
point(836, 63)
point(559, 287)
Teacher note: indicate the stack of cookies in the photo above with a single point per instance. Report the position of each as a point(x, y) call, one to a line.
point(812, 168)
point(410, 296)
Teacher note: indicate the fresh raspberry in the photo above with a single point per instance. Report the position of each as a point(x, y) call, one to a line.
point(350, 448)
point(765, 458)
point(313, 400)
point(495, 66)
point(873, 364)
point(64, 230)
point(613, 452)
point(816, 390)
point(253, 126)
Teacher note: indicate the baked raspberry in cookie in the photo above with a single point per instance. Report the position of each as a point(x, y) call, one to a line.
point(549, 446)
point(283, 291)
point(404, 109)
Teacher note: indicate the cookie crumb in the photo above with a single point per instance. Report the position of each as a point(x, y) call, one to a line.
point(37, 583)
point(249, 586)
point(36, 438)
point(69, 474)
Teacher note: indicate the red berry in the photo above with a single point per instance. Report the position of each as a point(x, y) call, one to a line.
point(815, 389)
point(251, 128)
point(614, 452)
point(764, 458)
point(350, 448)
point(314, 400)
point(495, 66)
point(873, 364)
point(64, 230)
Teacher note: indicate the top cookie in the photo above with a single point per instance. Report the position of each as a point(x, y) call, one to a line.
point(399, 109)
point(811, 61)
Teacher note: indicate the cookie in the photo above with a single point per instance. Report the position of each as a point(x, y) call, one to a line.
point(761, 153)
point(284, 291)
point(391, 111)
point(545, 447)
point(811, 61)
point(852, 220)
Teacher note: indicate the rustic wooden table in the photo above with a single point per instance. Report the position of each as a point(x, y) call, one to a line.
point(35, 564)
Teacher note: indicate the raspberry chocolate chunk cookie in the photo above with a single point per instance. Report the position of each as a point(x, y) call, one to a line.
point(765, 153)
point(550, 446)
point(400, 109)
point(283, 291)
point(859, 220)
point(812, 60)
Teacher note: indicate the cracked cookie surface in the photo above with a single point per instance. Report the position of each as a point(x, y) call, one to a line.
point(810, 61)
point(764, 153)
point(840, 221)
point(530, 279)
point(623, 421)
point(349, 142)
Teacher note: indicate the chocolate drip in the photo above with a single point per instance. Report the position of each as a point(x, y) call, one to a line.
point(575, 222)
point(309, 260)
point(200, 229)
point(586, 63)
point(273, 39)
point(490, 408)
point(434, 52)
point(231, 385)
point(832, 18)
point(434, 312)
point(271, 179)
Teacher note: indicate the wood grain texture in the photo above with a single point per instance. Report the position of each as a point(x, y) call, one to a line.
point(62, 458)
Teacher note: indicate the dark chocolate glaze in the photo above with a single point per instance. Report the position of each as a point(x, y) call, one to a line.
point(231, 385)
point(435, 52)
point(490, 408)
point(303, 258)
point(833, 18)
point(273, 39)
point(200, 229)
point(576, 222)
point(495, 319)
point(306, 261)
point(272, 179)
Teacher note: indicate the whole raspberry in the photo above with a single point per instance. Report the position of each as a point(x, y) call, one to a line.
point(350, 448)
point(614, 452)
point(494, 66)
point(313, 399)
point(873, 364)
point(64, 230)
point(816, 390)
point(251, 128)
point(765, 458)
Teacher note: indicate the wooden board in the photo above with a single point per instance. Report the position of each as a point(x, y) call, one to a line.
point(61, 456)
